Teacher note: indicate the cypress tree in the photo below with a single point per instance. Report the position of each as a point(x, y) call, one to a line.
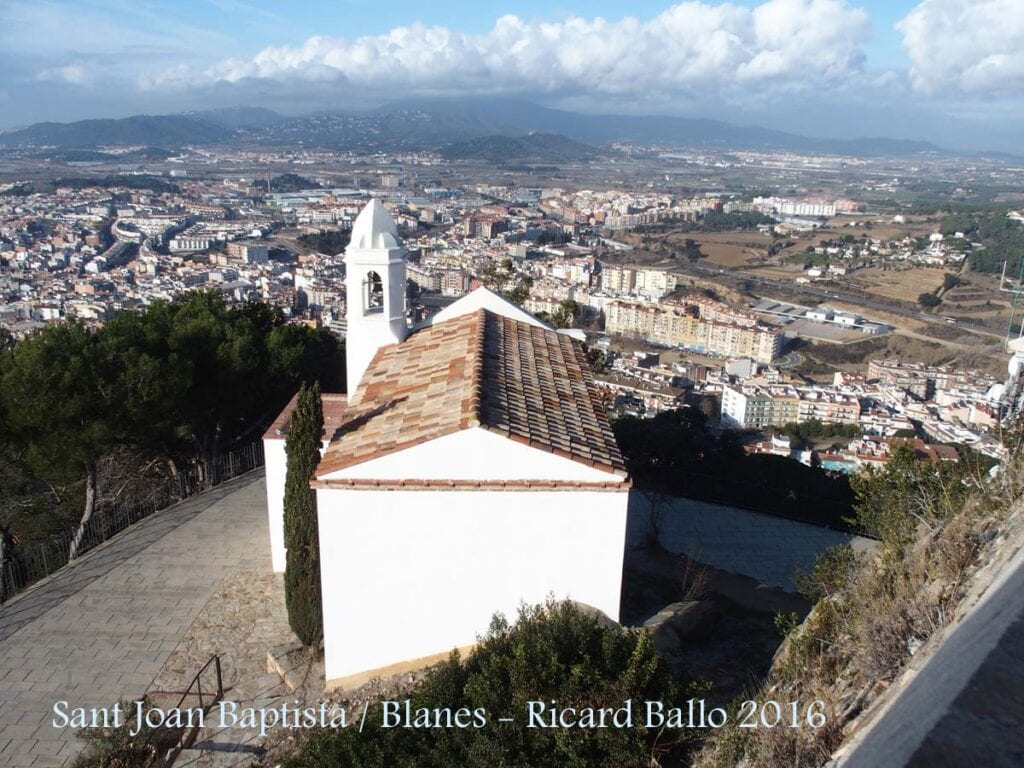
point(302, 565)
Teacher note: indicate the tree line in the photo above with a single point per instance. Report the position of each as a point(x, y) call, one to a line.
point(180, 381)
point(1002, 237)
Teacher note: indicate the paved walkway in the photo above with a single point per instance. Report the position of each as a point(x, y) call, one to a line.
point(100, 630)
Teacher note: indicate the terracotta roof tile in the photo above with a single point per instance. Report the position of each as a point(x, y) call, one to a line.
point(334, 405)
point(528, 383)
point(474, 485)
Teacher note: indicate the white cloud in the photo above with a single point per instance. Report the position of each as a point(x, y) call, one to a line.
point(73, 74)
point(693, 45)
point(974, 46)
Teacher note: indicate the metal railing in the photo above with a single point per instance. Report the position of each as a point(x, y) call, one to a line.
point(204, 700)
point(27, 564)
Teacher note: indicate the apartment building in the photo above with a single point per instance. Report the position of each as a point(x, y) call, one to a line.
point(618, 279)
point(653, 283)
point(684, 325)
point(455, 282)
point(756, 407)
point(249, 253)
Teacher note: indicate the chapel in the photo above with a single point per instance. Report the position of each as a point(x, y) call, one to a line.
point(469, 469)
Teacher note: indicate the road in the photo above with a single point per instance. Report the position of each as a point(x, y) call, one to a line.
point(845, 297)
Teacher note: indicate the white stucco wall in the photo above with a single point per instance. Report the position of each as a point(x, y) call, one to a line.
point(409, 574)
point(276, 462)
point(474, 454)
point(274, 457)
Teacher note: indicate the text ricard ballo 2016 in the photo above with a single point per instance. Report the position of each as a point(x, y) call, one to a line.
point(692, 713)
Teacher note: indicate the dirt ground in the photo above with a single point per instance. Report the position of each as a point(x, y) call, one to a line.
point(902, 285)
point(736, 649)
point(734, 249)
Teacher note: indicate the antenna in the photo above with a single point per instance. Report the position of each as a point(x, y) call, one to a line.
point(1016, 291)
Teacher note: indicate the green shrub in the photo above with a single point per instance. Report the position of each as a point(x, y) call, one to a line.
point(553, 652)
point(832, 571)
point(892, 502)
point(117, 748)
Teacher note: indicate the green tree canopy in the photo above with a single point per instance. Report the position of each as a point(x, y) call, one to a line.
point(60, 404)
point(301, 539)
point(892, 502)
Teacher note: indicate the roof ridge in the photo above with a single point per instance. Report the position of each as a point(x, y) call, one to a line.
point(474, 415)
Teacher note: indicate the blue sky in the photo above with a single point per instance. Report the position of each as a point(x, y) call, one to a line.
point(948, 70)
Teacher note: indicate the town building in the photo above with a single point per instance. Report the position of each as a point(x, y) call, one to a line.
point(701, 327)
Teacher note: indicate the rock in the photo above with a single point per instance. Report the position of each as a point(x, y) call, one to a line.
point(602, 619)
point(678, 622)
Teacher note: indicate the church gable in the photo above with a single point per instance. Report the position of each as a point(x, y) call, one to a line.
point(482, 298)
point(474, 454)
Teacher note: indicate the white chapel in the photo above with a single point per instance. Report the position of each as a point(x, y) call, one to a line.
point(470, 468)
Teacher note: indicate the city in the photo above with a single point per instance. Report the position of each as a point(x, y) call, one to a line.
point(675, 319)
point(466, 384)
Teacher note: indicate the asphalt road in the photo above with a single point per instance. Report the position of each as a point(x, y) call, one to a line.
point(965, 707)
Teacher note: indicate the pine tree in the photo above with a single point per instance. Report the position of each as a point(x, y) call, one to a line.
point(302, 566)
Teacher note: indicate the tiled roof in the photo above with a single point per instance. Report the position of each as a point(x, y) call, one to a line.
point(333, 404)
point(474, 485)
point(530, 384)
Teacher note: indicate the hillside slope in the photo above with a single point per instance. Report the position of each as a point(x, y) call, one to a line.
point(915, 654)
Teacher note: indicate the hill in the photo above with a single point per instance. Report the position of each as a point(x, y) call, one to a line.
point(439, 123)
point(514, 116)
point(235, 118)
point(168, 130)
point(545, 147)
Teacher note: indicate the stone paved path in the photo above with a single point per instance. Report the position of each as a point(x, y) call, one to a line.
point(100, 630)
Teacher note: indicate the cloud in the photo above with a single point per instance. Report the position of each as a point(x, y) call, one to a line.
point(973, 46)
point(72, 74)
point(788, 44)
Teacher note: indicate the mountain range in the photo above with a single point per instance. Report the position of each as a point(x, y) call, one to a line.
point(442, 125)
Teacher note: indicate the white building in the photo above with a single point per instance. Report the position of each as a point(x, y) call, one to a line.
point(471, 468)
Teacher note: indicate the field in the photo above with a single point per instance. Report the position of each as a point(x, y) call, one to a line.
point(725, 249)
point(900, 284)
point(881, 228)
point(734, 249)
point(980, 299)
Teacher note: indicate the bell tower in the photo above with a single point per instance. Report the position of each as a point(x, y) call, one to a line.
point(374, 290)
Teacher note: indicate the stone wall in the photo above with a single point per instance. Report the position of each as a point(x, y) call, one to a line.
point(766, 548)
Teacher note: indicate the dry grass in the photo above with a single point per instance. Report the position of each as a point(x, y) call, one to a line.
point(858, 639)
point(901, 285)
point(734, 249)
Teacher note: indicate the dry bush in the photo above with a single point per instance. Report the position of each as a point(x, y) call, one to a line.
point(694, 580)
point(802, 747)
point(762, 747)
point(880, 610)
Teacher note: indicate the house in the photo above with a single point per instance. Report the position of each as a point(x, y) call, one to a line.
point(470, 468)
